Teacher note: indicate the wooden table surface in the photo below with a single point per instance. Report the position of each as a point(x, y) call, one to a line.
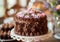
point(52, 39)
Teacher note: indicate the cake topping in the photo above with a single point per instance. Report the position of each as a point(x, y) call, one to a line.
point(26, 16)
point(43, 14)
point(33, 14)
point(36, 16)
point(20, 14)
point(30, 12)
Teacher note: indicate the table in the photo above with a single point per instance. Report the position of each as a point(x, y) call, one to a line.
point(52, 39)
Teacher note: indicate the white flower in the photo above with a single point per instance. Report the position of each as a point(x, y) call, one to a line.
point(36, 16)
point(26, 16)
point(33, 14)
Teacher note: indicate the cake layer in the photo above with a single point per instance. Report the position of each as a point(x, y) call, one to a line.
point(31, 26)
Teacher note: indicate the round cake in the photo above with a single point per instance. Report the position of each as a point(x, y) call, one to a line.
point(31, 23)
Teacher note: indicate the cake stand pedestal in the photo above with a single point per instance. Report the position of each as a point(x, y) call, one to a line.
point(30, 38)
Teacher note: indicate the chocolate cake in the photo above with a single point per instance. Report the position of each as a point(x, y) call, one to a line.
point(5, 31)
point(31, 23)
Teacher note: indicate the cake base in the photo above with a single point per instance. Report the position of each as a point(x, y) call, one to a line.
point(30, 38)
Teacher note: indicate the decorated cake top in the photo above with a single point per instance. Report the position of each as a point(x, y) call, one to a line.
point(35, 13)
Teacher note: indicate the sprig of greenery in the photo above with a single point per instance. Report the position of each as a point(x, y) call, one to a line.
point(54, 2)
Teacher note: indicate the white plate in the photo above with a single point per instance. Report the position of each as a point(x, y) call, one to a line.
point(6, 40)
point(57, 36)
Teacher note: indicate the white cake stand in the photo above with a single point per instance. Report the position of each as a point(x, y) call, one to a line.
point(30, 38)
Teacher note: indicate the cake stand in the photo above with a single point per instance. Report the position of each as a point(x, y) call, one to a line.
point(33, 38)
point(30, 38)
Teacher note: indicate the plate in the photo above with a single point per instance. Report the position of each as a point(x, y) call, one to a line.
point(6, 40)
